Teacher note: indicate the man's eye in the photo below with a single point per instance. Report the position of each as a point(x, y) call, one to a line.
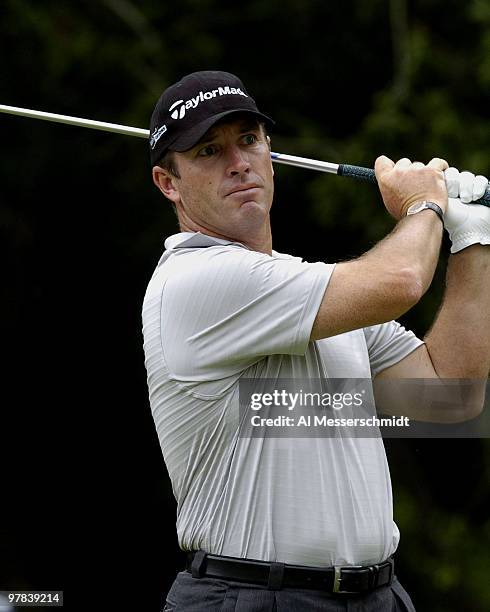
point(207, 151)
point(250, 139)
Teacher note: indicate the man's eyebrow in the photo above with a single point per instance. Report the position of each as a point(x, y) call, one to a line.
point(208, 137)
point(249, 124)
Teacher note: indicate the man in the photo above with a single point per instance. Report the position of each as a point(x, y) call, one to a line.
point(289, 523)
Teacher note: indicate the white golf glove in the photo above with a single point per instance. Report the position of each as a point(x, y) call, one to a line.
point(466, 223)
point(464, 185)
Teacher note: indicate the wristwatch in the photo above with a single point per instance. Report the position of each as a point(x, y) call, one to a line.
point(418, 206)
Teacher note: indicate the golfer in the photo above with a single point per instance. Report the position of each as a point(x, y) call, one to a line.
point(290, 524)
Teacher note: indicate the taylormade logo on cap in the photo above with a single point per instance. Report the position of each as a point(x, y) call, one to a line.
point(201, 97)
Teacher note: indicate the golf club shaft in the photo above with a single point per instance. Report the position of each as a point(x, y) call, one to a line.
point(357, 172)
point(87, 123)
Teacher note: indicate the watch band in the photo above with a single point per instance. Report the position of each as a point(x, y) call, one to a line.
point(424, 205)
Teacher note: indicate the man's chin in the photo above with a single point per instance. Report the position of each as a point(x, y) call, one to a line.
point(254, 204)
point(252, 212)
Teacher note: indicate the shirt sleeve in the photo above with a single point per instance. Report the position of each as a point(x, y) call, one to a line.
point(225, 308)
point(388, 343)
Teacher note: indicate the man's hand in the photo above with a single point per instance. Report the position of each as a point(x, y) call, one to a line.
point(404, 183)
point(466, 223)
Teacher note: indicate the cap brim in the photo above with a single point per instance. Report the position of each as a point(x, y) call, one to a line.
point(192, 136)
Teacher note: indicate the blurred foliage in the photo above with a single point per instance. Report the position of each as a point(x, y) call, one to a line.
point(345, 82)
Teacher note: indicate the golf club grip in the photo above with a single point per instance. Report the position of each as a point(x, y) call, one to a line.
point(357, 172)
point(367, 174)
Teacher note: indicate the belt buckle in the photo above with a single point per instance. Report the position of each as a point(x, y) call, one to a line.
point(338, 579)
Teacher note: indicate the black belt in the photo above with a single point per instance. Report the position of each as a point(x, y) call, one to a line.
point(352, 579)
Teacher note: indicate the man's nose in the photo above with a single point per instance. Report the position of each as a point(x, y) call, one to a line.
point(238, 162)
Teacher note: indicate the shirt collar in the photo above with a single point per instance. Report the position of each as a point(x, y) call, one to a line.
point(195, 240)
point(189, 240)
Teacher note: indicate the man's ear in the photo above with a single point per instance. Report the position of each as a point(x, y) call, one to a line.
point(166, 183)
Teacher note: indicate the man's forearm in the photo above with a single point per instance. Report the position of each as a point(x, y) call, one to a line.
point(385, 282)
point(414, 243)
point(459, 340)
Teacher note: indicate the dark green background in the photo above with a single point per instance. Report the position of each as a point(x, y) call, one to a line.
point(86, 505)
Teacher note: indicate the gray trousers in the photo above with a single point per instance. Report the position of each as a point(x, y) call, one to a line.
point(189, 594)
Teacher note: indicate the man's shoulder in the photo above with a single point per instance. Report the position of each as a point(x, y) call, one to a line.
point(194, 262)
point(191, 249)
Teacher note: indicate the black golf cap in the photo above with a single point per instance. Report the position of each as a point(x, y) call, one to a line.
point(187, 109)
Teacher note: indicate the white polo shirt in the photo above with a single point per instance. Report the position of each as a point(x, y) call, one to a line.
point(214, 312)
